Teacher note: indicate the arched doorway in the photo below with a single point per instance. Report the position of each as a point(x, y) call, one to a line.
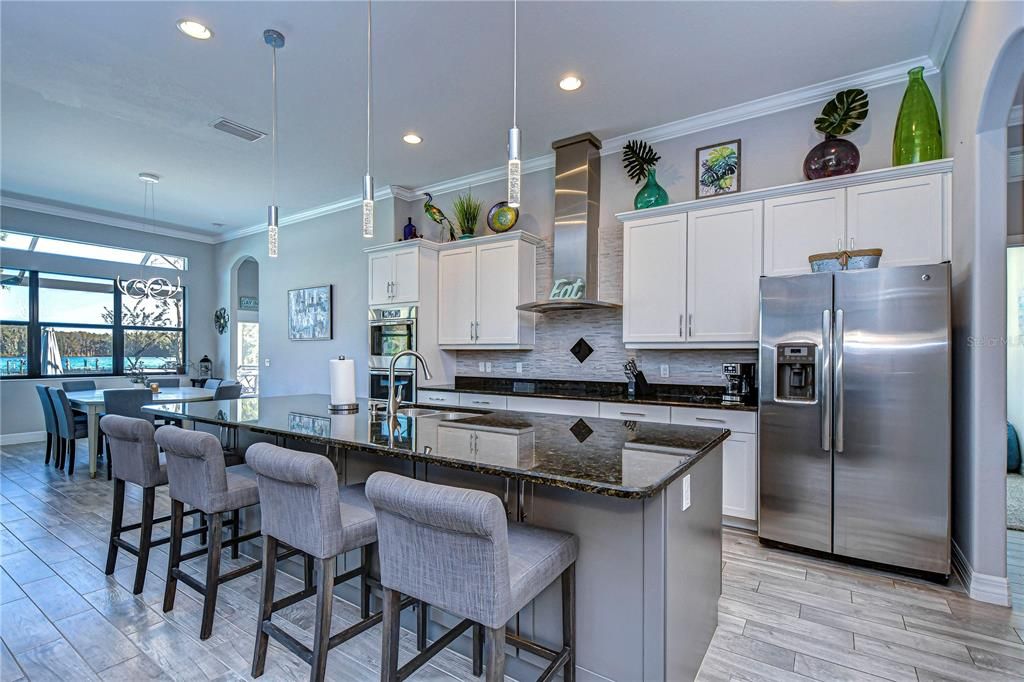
point(245, 326)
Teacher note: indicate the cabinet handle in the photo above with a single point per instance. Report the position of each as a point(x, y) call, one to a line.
point(633, 414)
point(481, 402)
point(839, 243)
point(470, 331)
point(478, 331)
point(436, 400)
point(710, 419)
point(689, 327)
point(680, 325)
point(851, 243)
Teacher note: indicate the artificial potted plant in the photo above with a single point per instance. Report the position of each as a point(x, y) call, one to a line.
point(639, 160)
point(467, 213)
point(842, 115)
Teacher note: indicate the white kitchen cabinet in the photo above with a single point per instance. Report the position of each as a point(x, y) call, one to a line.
point(479, 400)
point(636, 413)
point(905, 218)
point(479, 288)
point(800, 225)
point(394, 275)
point(654, 280)
point(739, 476)
point(439, 398)
point(723, 264)
point(500, 447)
point(577, 408)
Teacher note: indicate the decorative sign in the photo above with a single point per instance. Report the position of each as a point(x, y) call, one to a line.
point(249, 303)
point(568, 290)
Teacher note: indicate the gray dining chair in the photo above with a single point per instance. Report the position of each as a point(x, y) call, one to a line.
point(211, 384)
point(49, 422)
point(166, 382)
point(69, 428)
point(78, 385)
point(228, 390)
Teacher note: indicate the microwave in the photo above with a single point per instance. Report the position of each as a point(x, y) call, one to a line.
point(379, 385)
point(392, 330)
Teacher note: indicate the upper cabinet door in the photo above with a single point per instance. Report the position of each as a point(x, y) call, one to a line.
point(497, 293)
point(456, 301)
point(405, 286)
point(382, 267)
point(904, 218)
point(653, 297)
point(796, 227)
point(723, 264)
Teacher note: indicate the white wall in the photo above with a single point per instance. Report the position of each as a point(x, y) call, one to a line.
point(980, 76)
point(19, 406)
point(1015, 337)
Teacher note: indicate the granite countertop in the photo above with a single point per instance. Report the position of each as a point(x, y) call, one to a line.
point(673, 395)
point(602, 456)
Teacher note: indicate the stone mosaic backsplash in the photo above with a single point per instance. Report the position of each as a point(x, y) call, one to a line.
point(602, 330)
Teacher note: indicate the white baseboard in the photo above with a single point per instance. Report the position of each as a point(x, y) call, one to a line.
point(23, 437)
point(992, 589)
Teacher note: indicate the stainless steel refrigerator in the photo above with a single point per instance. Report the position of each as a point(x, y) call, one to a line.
point(854, 439)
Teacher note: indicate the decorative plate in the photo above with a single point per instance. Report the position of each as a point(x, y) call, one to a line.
point(502, 217)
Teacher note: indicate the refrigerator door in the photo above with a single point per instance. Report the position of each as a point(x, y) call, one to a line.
point(795, 458)
point(892, 416)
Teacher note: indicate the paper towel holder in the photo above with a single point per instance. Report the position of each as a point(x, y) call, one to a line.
point(342, 408)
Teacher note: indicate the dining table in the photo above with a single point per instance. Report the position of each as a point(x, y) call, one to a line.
point(91, 403)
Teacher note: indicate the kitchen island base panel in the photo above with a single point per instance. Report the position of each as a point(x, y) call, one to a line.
point(648, 575)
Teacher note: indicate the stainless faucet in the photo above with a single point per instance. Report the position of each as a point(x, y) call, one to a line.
point(395, 394)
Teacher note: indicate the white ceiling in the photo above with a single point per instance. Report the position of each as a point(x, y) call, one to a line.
point(93, 93)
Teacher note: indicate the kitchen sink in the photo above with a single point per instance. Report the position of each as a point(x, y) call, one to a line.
point(442, 415)
point(416, 412)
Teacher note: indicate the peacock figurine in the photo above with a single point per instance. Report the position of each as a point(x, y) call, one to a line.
point(438, 216)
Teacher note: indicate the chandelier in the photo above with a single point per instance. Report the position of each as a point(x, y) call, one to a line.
point(154, 288)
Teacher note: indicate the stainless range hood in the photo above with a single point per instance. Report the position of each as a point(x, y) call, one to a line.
point(577, 214)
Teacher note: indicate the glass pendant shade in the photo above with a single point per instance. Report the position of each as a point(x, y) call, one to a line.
point(368, 207)
point(272, 231)
point(514, 168)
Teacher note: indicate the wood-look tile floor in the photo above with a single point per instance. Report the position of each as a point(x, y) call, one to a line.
point(783, 616)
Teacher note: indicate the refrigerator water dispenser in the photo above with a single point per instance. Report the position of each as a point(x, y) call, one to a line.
point(795, 367)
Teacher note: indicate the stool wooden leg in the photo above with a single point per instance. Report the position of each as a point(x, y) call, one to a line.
point(364, 586)
point(49, 447)
point(478, 650)
point(259, 656)
point(422, 619)
point(389, 645)
point(322, 625)
point(174, 552)
point(116, 518)
point(495, 654)
point(569, 621)
point(235, 532)
point(212, 575)
point(307, 571)
point(145, 538)
point(204, 522)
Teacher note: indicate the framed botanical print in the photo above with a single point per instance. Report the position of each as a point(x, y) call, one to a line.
point(718, 169)
point(309, 313)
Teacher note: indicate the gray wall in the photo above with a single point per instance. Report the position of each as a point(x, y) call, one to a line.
point(19, 407)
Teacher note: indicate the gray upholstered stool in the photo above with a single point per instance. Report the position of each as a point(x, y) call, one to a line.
point(303, 506)
point(132, 449)
point(198, 477)
point(454, 548)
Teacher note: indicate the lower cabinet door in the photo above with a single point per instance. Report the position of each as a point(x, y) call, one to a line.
point(739, 476)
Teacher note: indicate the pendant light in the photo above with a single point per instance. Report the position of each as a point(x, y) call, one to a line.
point(514, 138)
point(275, 39)
point(155, 288)
point(368, 179)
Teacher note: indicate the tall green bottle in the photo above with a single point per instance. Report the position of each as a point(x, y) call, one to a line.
point(918, 136)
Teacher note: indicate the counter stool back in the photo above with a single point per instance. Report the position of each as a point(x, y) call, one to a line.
point(454, 549)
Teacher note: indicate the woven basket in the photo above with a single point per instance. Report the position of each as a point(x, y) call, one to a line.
point(835, 261)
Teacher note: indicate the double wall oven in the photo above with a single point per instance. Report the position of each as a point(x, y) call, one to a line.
point(392, 330)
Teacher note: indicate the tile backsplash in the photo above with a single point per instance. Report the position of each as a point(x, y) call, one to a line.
point(602, 330)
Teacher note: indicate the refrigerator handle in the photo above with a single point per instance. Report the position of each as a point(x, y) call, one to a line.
point(826, 380)
point(837, 381)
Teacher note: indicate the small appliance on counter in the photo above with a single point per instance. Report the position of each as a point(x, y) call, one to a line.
point(636, 382)
point(742, 378)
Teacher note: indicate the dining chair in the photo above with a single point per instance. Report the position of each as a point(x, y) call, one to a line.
point(166, 382)
point(78, 385)
point(228, 390)
point(50, 422)
point(211, 384)
point(69, 428)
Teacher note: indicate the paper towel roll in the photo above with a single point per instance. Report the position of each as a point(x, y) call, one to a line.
point(343, 382)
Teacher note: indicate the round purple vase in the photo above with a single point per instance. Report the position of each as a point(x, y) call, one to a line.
point(832, 156)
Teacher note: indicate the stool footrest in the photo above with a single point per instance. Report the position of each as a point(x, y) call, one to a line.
point(558, 658)
point(419, 659)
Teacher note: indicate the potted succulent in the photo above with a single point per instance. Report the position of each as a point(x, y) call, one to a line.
point(639, 160)
point(842, 115)
point(467, 213)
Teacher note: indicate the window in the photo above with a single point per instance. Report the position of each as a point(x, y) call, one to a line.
point(69, 325)
point(66, 247)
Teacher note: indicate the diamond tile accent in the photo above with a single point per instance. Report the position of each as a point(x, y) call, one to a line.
point(581, 430)
point(581, 350)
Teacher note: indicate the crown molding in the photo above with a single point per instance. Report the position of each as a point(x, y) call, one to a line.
point(950, 15)
point(1015, 164)
point(99, 218)
point(1016, 116)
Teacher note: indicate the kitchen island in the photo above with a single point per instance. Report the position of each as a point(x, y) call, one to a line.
point(644, 500)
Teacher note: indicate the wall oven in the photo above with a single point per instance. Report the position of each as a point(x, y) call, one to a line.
point(379, 386)
point(392, 330)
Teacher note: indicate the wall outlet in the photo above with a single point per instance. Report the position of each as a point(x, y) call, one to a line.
point(664, 371)
point(266, 362)
point(487, 368)
point(483, 367)
point(686, 492)
point(519, 368)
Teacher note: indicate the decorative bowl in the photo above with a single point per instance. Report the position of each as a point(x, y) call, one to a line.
point(502, 217)
point(836, 261)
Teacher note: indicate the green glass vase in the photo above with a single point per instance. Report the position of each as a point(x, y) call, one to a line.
point(918, 136)
point(651, 194)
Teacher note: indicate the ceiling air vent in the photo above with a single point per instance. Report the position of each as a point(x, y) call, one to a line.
point(238, 130)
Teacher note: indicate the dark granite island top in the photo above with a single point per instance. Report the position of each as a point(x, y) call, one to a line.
point(603, 456)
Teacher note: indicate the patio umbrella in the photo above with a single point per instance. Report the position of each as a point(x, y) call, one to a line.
point(51, 354)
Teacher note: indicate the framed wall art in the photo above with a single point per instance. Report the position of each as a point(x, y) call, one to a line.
point(309, 313)
point(718, 169)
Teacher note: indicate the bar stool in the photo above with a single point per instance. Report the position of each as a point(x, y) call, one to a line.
point(303, 505)
point(198, 477)
point(455, 549)
point(132, 449)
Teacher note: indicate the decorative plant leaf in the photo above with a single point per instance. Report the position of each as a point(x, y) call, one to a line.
point(844, 113)
point(638, 157)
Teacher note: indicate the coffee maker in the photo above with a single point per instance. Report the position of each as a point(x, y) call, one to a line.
point(742, 382)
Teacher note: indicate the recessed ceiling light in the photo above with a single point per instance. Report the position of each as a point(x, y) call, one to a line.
point(412, 138)
point(149, 178)
point(571, 83)
point(194, 29)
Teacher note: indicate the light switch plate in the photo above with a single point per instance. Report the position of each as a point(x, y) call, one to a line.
point(266, 362)
point(487, 368)
point(664, 371)
point(482, 366)
point(686, 492)
point(519, 368)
